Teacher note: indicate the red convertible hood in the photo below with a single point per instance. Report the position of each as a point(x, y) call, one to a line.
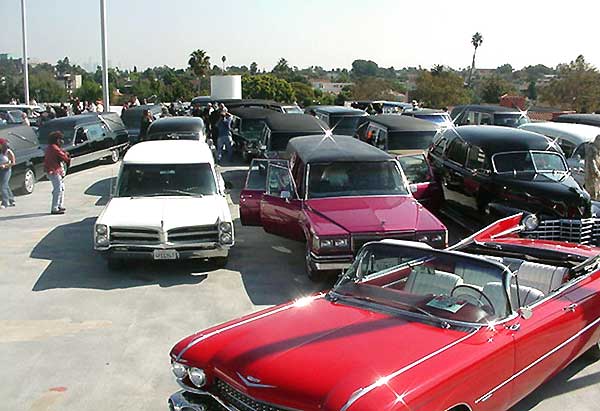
point(320, 353)
point(376, 214)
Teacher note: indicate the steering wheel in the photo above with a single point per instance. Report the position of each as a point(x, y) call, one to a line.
point(485, 307)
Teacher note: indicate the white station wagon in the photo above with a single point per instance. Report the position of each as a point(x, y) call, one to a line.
point(169, 204)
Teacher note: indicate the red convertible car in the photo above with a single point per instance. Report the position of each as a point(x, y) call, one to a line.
point(475, 327)
point(336, 193)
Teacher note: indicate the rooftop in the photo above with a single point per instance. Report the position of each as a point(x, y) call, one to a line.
point(320, 149)
point(496, 139)
point(279, 122)
point(169, 152)
point(395, 122)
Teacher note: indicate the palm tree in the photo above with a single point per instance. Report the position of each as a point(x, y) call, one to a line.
point(476, 41)
point(199, 63)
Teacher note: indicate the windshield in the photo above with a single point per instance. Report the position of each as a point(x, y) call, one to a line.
point(412, 140)
point(45, 131)
point(510, 120)
point(141, 180)
point(529, 162)
point(252, 129)
point(175, 135)
point(344, 123)
point(437, 285)
point(415, 168)
point(257, 174)
point(292, 110)
point(441, 118)
point(344, 179)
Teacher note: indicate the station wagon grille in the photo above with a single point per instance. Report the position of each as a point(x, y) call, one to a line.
point(197, 234)
point(584, 231)
point(240, 400)
point(134, 236)
point(358, 240)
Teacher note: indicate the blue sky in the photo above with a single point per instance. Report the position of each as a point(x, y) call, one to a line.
point(329, 33)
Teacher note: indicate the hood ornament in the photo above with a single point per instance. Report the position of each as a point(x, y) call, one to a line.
point(250, 381)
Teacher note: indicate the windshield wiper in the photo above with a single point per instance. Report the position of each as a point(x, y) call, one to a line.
point(182, 192)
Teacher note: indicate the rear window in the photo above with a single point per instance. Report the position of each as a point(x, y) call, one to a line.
point(411, 140)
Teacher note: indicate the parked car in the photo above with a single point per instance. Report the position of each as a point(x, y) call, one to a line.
point(254, 188)
point(337, 194)
point(169, 204)
point(132, 118)
point(407, 327)
point(89, 137)
point(572, 139)
point(341, 120)
point(588, 119)
point(382, 106)
point(439, 117)
point(247, 103)
point(177, 128)
point(29, 157)
point(280, 128)
point(474, 114)
point(488, 172)
point(248, 126)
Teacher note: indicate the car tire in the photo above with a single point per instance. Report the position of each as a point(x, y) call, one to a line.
point(220, 262)
point(311, 271)
point(114, 157)
point(28, 182)
point(115, 264)
point(594, 352)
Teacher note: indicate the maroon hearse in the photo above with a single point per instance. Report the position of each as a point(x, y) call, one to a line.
point(335, 193)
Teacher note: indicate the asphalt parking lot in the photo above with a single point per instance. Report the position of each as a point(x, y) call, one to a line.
point(76, 336)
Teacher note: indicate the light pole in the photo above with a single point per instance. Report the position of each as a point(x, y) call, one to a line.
point(105, 90)
point(25, 59)
point(223, 59)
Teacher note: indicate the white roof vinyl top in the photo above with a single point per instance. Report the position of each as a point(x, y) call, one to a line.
point(169, 152)
point(579, 133)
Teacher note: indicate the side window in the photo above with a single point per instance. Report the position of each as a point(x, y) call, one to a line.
point(567, 147)
point(476, 159)
point(579, 153)
point(96, 131)
point(485, 119)
point(439, 147)
point(381, 140)
point(361, 131)
point(278, 180)
point(457, 151)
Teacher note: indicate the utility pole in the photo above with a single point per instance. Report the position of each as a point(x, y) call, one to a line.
point(105, 90)
point(25, 58)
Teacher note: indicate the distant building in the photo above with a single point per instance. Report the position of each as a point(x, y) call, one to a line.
point(69, 82)
point(329, 86)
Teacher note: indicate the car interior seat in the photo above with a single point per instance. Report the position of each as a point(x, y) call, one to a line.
point(543, 277)
point(495, 292)
point(424, 281)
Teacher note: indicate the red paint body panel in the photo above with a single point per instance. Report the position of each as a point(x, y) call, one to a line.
point(250, 207)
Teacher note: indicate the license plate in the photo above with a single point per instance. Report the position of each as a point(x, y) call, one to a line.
point(166, 254)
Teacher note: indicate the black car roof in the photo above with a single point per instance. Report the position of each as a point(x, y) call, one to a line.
point(589, 119)
point(395, 122)
point(339, 110)
point(319, 149)
point(71, 121)
point(251, 112)
point(497, 139)
point(167, 124)
point(153, 108)
point(485, 108)
point(280, 122)
point(425, 111)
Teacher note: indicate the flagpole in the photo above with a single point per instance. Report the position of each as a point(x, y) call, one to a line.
point(105, 90)
point(25, 58)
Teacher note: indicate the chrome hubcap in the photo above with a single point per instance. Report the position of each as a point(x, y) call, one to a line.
point(114, 156)
point(29, 181)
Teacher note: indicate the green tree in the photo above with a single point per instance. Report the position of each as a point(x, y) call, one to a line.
point(199, 63)
point(63, 66)
point(267, 86)
point(492, 88)
point(282, 68)
point(441, 90)
point(253, 68)
point(89, 90)
point(504, 70)
point(532, 93)
point(364, 68)
point(305, 94)
point(372, 88)
point(476, 41)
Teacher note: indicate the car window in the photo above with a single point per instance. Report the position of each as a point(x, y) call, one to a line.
point(485, 119)
point(567, 147)
point(439, 147)
point(95, 131)
point(476, 159)
point(415, 168)
point(457, 151)
point(278, 180)
point(580, 152)
point(257, 174)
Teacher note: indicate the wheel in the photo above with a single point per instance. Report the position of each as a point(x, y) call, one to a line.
point(594, 352)
point(311, 271)
point(115, 264)
point(489, 307)
point(28, 182)
point(114, 156)
point(221, 262)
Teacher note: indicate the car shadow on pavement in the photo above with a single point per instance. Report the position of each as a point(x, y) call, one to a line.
point(23, 216)
point(74, 264)
point(102, 189)
point(561, 384)
point(238, 179)
point(271, 267)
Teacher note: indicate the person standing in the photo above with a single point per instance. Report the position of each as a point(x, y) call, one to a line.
point(145, 123)
point(592, 168)
point(224, 138)
point(55, 171)
point(7, 161)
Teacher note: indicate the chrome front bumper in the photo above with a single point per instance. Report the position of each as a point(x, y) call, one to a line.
point(331, 262)
point(186, 401)
point(147, 252)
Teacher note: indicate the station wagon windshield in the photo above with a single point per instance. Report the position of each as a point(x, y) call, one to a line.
point(252, 128)
point(438, 286)
point(529, 162)
point(146, 180)
point(344, 179)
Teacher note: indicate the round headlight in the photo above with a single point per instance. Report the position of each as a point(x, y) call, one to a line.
point(423, 238)
point(226, 238)
point(340, 242)
point(531, 222)
point(179, 370)
point(101, 229)
point(326, 243)
point(225, 227)
point(102, 240)
point(197, 377)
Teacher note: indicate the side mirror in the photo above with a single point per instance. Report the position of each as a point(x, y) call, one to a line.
point(286, 195)
point(228, 185)
point(413, 188)
point(525, 313)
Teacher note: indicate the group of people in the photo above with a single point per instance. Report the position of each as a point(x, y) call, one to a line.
point(218, 122)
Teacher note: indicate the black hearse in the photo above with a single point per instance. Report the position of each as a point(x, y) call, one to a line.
point(89, 137)
point(488, 115)
point(280, 128)
point(488, 172)
point(132, 118)
point(397, 134)
point(176, 128)
point(587, 119)
point(342, 120)
point(29, 157)
point(248, 126)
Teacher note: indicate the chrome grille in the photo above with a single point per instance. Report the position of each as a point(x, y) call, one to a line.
point(124, 235)
point(584, 231)
point(196, 234)
point(240, 400)
point(358, 240)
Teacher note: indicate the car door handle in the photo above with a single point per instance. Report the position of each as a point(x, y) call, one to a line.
point(570, 308)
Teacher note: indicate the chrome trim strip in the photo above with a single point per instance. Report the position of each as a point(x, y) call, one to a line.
point(237, 324)
point(214, 397)
point(361, 392)
point(487, 395)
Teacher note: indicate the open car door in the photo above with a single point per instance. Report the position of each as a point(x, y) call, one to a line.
point(423, 185)
point(280, 206)
point(252, 193)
